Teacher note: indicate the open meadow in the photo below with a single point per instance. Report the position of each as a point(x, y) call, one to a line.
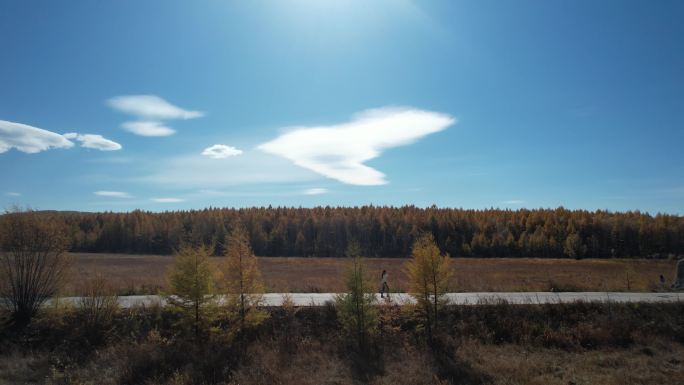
point(146, 274)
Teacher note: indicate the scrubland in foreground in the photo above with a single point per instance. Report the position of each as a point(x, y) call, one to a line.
point(578, 343)
point(145, 274)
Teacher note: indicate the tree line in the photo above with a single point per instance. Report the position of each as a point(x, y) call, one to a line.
point(382, 231)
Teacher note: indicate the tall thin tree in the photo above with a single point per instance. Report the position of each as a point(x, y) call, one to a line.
point(242, 281)
point(358, 314)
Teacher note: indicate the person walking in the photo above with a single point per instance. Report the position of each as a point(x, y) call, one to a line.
point(383, 284)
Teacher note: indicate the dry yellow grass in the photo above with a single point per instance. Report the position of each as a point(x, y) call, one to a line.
point(146, 273)
point(659, 363)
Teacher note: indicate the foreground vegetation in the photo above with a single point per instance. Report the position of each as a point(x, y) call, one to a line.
point(489, 344)
point(384, 231)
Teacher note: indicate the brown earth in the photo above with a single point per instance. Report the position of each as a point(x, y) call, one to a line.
point(145, 274)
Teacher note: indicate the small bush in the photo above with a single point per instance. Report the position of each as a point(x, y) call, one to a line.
point(97, 308)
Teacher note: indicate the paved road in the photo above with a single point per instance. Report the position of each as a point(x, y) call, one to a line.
point(319, 299)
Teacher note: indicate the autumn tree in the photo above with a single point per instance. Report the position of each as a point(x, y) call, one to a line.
point(242, 281)
point(33, 262)
point(382, 231)
point(192, 279)
point(429, 273)
point(574, 247)
point(356, 307)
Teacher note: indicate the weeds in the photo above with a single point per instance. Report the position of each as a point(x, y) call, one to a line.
point(305, 346)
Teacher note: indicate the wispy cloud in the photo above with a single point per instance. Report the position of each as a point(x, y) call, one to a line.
point(220, 151)
point(151, 111)
point(151, 107)
point(315, 191)
point(93, 141)
point(114, 194)
point(113, 159)
point(13, 194)
point(29, 139)
point(148, 128)
point(167, 200)
point(339, 151)
point(513, 202)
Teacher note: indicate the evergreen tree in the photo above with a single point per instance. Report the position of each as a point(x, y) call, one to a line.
point(356, 309)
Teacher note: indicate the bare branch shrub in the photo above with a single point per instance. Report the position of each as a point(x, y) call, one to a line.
point(97, 306)
point(33, 262)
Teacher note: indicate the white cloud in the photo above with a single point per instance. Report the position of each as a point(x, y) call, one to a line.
point(339, 151)
point(150, 107)
point(220, 151)
point(148, 128)
point(114, 194)
point(513, 202)
point(96, 142)
point(315, 191)
point(167, 200)
point(29, 139)
point(13, 194)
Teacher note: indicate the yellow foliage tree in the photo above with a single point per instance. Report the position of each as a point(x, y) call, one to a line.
point(429, 275)
point(192, 280)
point(242, 281)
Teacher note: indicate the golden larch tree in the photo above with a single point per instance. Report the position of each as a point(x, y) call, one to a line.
point(429, 275)
point(242, 281)
point(192, 279)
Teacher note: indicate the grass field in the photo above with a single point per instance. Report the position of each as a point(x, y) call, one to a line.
point(145, 274)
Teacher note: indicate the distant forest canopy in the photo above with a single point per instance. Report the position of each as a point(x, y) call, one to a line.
point(384, 231)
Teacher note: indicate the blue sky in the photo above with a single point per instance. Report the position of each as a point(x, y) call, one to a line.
point(111, 105)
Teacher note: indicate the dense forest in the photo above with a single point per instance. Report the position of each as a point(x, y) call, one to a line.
point(384, 231)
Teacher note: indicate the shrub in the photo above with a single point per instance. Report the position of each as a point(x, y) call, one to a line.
point(33, 263)
point(97, 308)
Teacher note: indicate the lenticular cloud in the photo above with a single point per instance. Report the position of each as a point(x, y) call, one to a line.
point(93, 141)
point(29, 139)
point(339, 151)
point(151, 111)
point(151, 107)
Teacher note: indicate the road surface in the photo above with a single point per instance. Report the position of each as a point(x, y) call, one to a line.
point(320, 299)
